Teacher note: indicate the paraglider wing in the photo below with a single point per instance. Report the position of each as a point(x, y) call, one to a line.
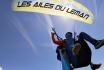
point(66, 8)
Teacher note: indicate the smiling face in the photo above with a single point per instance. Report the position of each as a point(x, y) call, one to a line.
point(68, 35)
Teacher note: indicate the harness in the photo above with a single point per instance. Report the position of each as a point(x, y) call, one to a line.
point(83, 57)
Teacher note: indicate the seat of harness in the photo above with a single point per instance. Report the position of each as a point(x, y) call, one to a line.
point(83, 57)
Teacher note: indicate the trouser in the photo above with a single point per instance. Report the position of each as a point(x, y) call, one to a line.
point(85, 36)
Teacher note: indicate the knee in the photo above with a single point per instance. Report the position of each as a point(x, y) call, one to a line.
point(81, 34)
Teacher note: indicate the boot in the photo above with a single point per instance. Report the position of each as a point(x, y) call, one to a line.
point(99, 44)
point(95, 66)
point(71, 67)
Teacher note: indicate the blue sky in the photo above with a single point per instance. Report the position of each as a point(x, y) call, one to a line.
point(25, 42)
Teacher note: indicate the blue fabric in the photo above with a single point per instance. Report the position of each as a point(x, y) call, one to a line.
point(65, 64)
point(71, 55)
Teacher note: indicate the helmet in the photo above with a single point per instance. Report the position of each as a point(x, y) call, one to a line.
point(68, 35)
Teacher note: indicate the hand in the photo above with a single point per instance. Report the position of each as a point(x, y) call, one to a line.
point(53, 29)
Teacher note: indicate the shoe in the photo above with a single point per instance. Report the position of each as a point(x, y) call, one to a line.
point(95, 66)
point(71, 67)
point(99, 44)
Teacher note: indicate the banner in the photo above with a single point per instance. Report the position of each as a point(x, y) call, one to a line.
point(66, 8)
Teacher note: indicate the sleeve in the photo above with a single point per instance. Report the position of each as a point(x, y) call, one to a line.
point(56, 40)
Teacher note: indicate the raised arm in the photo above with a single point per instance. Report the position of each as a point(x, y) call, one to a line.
point(56, 40)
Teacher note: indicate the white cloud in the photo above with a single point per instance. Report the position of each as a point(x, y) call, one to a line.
point(23, 32)
point(1, 68)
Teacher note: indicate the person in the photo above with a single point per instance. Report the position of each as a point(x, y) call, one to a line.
point(74, 49)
